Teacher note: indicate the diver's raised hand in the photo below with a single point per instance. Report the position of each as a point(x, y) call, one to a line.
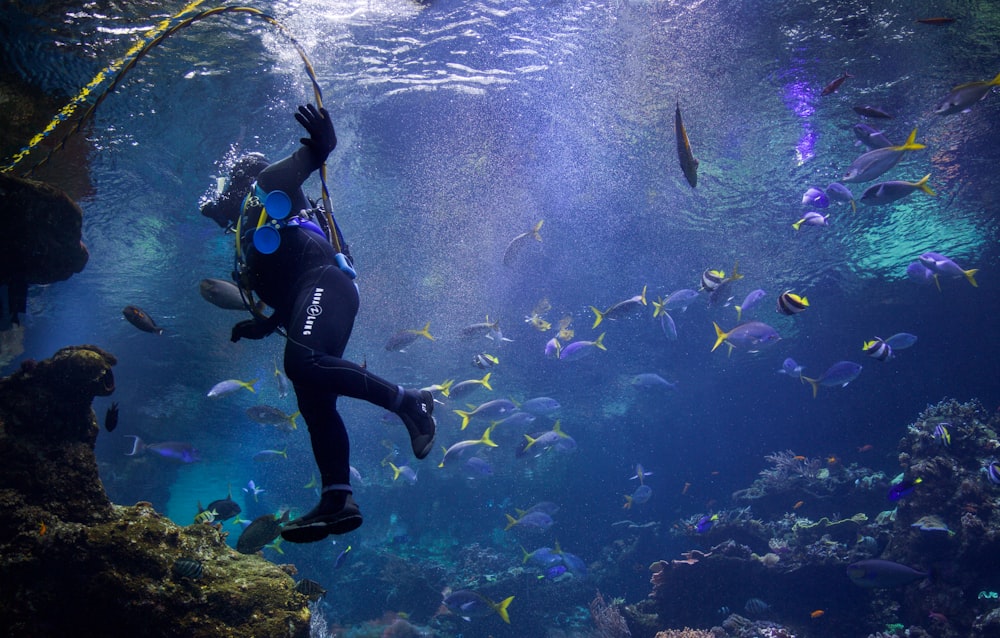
point(322, 138)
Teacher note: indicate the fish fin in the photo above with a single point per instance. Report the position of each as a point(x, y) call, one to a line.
point(538, 227)
point(911, 143)
point(600, 341)
point(922, 185)
point(501, 608)
point(425, 331)
point(485, 440)
point(796, 227)
point(465, 417)
point(136, 447)
point(486, 381)
point(642, 297)
point(598, 317)
point(813, 382)
point(739, 309)
point(720, 336)
point(971, 276)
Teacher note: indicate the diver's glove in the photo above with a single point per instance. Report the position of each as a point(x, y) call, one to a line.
point(322, 138)
point(252, 329)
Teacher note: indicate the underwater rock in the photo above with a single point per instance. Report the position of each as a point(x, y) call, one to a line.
point(41, 239)
point(72, 563)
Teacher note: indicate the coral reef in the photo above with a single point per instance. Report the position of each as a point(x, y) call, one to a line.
point(608, 619)
point(72, 563)
point(942, 517)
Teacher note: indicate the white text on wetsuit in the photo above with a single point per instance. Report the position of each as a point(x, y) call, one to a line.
point(313, 311)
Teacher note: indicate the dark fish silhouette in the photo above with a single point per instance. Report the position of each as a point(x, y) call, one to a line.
point(188, 567)
point(260, 532)
point(936, 21)
point(111, 418)
point(872, 111)
point(224, 508)
point(310, 589)
point(138, 318)
point(833, 86)
point(688, 162)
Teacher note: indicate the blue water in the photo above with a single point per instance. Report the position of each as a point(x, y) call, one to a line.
point(461, 125)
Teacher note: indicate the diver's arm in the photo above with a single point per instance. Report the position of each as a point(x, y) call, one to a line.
point(290, 173)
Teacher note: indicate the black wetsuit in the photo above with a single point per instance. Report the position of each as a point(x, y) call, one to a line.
point(316, 303)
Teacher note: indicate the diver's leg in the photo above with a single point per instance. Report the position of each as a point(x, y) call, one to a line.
point(337, 513)
point(319, 328)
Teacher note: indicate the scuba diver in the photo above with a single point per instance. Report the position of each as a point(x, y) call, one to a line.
point(293, 256)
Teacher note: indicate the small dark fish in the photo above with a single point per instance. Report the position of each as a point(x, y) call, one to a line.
point(833, 86)
point(516, 245)
point(260, 532)
point(310, 589)
point(705, 523)
point(111, 417)
point(872, 111)
point(403, 338)
point(138, 318)
point(223, 294)
point(688, 162)
point(756, 607)
point(870, 137)
point(936, 21)
point(188, 568)
point(225, 508)
point(882, 573)
point(903, 489)
point(341, 558)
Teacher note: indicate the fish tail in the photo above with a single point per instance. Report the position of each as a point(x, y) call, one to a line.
point(736, 271)
point(600, 341)
point(642, 297)
point(426, 331)
point(395, 471)
point(557, 428)
point(971, 276)
point(996, 81)
point(598, 317)
point(511, 522)
point(739, 309)
point(922, 185)
point(813, 382)
point(526, 555)
point(538, 227)
point(465, 417)
point(531, 442)
point(854, 206)
point(911, 143)
point(291, 419)
point(628, 503)
point(136, 447)
point(486, 381)
point(720, 336)
point(485, 440)
point(501, 608)
point(658, 307)
point(799, 223)
point(249, 385)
